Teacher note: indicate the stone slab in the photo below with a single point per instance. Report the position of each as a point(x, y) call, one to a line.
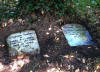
point(24, 42)
point(77, 35)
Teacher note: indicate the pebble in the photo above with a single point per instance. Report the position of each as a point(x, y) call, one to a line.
point(77, 70)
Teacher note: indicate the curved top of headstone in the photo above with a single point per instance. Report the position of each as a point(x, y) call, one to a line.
point(77, 35)
point(72, 27)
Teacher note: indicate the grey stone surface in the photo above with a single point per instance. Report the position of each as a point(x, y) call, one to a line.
point(77, 35)
point(24, 42)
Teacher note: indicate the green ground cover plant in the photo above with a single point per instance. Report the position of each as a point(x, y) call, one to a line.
point(85, 9)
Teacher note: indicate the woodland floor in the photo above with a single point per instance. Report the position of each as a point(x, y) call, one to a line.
point(52, 43)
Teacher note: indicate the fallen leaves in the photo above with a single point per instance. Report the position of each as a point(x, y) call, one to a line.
point(77, 70)
point(10, 21)
point(1, 66)
point(55, 70)
point(46, 55)
point(18, 64)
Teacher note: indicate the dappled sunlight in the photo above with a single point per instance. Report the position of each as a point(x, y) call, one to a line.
point(1, 67)
point(14, 66)
point(49, 36)
point(55, 70)
point(11, 21)
point(54, 67)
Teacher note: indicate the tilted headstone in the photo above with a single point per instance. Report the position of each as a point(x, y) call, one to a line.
point(77, 35)
point(24, 42)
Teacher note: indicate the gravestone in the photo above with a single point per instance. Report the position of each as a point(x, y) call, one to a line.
point(77, 35)
point(24, 42)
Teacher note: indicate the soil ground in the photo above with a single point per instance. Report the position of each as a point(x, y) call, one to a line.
point(52, 43)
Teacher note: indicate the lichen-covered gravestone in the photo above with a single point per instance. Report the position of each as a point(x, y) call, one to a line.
point(77, 35)
point(24, 42)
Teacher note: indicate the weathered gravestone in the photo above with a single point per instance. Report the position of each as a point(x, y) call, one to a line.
point(23, 43)
point(77, 35)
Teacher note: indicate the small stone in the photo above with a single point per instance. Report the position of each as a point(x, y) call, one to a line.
point(42, 12)
point(72, 56)
point(57, 31)
point(47, 33)
point(1, 45)
point(31, 71)
point(56, 38)
point(83, 60)
point(89, 47)
point(46, 55)
point(20, 63)
point(4, 24)
point(73, 67)
point(77, 70)
point(69, 67)
point(1, 66)
point(20, 20)
point(50, 29)
point(88, 6)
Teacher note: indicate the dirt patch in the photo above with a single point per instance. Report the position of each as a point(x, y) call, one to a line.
point(52, 42)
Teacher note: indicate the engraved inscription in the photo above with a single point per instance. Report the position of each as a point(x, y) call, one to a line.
point(24, 42)
point(76, 35)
